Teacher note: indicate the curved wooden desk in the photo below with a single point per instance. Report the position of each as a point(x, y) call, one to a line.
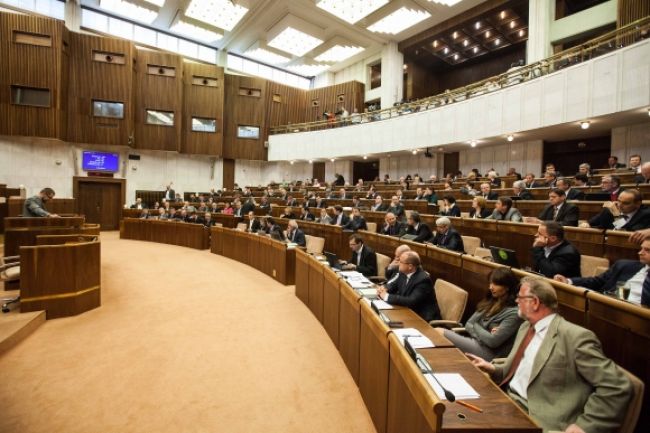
point(166, 232)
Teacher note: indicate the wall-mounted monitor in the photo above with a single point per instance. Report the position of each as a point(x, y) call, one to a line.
point(100, 161)
point(252, 132)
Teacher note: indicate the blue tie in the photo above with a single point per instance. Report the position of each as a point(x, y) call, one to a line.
point(645, 291)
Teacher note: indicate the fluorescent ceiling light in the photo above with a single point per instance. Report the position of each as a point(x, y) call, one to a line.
point(351, 10)
point(195, 32)
point(308, 70)
point(266, 56)
point(224, 14)
point(295, 42)
point(446, 2)
point(398, 21)
point(338, 53)
point(158, 3)
point(130, 10)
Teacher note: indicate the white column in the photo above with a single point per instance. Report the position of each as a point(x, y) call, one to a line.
point(392, 64)
point(73, 15)
point(540, 15)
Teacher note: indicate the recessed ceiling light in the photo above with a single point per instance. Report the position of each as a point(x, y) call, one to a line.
point(224, 14)
point(351, 10)
point(311, 161)
point(454, 35)
point(266, 56)
point(472, 143)
point(332, 159)
point(291, 162)
point(295, 42)
point(487, 34)
point(338, 53)
point(465, 42)
point(584, 124)
point(477, 25)
point(511, 137)
point(512, 24)
point(405, 67)
point(455, 56)
point(497, 41)
point(435, 44)
point(309, 70)
point(195, 32)
point(131, 10)
point(521, 33)
point(365, 156)
point(398, 21)
point(475, 50)
point(446, 50)
point(502, 15)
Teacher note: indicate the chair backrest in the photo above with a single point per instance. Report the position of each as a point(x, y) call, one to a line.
point(441, 203)
point(464, 214)
point(483, 253)
point(314, 244)
point(242, 227)
point(218, 224)
point(634, 406)
point(451, 300)
point(382, 262)
point(372, 227)
point(590, 264)
point(407, 213)
point(471, 243)
point(600, 270)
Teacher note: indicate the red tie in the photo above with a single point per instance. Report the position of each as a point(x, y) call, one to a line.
point(520, 354)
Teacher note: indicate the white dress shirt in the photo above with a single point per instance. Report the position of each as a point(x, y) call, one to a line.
point(521, 378)
point(636, 285)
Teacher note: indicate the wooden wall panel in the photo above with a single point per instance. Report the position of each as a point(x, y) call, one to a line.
point(632, 10)
point(285, 104)
point(158, 92)
point(202, 100)
point(97, 80)
point(229, 173)
point(244, 110)
point(327, 98)
point(32, 66)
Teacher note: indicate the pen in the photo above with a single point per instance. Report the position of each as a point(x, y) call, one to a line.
point(470, 406)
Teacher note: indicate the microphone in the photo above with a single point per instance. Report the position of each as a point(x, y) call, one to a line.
point(425, 367)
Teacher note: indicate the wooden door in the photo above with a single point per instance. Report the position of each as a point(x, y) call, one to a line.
point(318, 171)
point(90, 201)
point(100, 200)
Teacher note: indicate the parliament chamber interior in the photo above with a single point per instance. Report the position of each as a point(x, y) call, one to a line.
point(382, 216)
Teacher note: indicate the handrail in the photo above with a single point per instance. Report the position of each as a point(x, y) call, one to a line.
point(637, 30)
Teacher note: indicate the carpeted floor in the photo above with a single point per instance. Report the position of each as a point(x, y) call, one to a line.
point(184, 341)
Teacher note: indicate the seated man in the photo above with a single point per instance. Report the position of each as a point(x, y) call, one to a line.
point(495, 182)
point(626, 213)
point(379, 205)
point(207, 220)
point(635, 163)
point(447, 237)
point(288, 213)
point(450, 208)
point(254, 224)
point(612, 185)
point(634, 273)
point(612, 162)
point(392, 270)
point(559, 210)
point(415, 227)
point(305, 215)
point(557, 370)
point(295, 235)
point(340, 218)
point(364, 259)
point(138, 204)
point(487, 193)
point(357, 222)
point(571, 193)
point(550, 179)
point(392, 227)
point(35, 206)
point(430, 196)
point(265, 205)
point(552, 254)
point(144, 215)
point(644, 174)
point(520, 190)
point(412, 288)
point(396, 207)
point(503, 211)
point(321, 202)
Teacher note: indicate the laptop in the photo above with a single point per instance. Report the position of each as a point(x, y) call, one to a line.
point(598, 196)
point(504, 256)
point(333, 260)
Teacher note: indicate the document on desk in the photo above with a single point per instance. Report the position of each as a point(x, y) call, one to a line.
point(382, 305)
point(455, 383)
point(417, 340)
point(372, 292)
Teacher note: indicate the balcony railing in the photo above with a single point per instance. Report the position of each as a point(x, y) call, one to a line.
point(614, 40)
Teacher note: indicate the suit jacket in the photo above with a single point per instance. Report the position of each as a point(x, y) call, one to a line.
point(622, 270)
point(575, 194)
point(492, 195)
point(453, 212)
point(379, 208)
point(307, 217)
point(484, 213)
point(563, 260)
point(298, 237)
point(310, 203)
point(368, 264)
point(293, 202)
point(512, 215)
point(172, 195)
point(450, 240)
point(571, 381)
point(605, 220)
point(247, 207)
point(344, 219)
point(290, 216)
point(417, 294)
point(266, 207)
point(525, 195)
point(397, 229)
point(397, 210)
point(322, 204)
point(423, 233)
point(256, 226)
point(356, 223)
point(640, 179)
point(568, 215)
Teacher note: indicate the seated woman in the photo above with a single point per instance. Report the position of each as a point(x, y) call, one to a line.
point(503, 211)
point(228, 210)
point(479, 210)
point(493, 327)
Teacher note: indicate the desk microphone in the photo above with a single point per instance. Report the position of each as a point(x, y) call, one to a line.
point(425, 367)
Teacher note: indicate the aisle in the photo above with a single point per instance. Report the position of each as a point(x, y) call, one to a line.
point(184, 341)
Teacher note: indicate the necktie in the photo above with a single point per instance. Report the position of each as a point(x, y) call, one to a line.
point(555, 211)
point(520, 354)
point(645, 291)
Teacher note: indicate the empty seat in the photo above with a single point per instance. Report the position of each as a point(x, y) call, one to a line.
point(242, 227)
point(451, 301)
point(483, 253)
point(314, 244)
point(471, 243)
point(590, 264)
point(372, 227)
point(634, 406)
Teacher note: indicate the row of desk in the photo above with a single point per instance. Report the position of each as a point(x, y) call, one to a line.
point(166, 232)
point(396, 394)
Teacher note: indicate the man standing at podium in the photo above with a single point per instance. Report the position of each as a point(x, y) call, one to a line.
point(557, 370)
point(35, 206)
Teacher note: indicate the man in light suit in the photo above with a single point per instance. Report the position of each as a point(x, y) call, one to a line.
point(364, 259)
point(557, 370)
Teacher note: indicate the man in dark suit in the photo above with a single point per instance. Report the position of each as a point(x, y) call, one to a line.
point(254, 224)
point(552, 254)
point(249, 205)
point(519, 188)
point(357, 222)
point(420, 230)
point(343, 195)
point(486, 192)
point(379, 205)
point(170, 194)
point(291, 201)
point(364, 259)
point(559, 210)
point(321, 202)
point(288, 213)
point(627, 213)
point(393, 267)
point(340, 218)
point(571, 193)
point(295, 235)
point(612, 162)
point(644, 176)
point(634, 273)
point(411, 287)
point(450, 208)
point(139, 204)
point(392, 226)
point(265, 205)
point(305, 215)
point(310, 201)
point(447, 237)
point(396, 207)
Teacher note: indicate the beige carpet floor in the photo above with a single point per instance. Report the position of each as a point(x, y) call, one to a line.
point(185, 341)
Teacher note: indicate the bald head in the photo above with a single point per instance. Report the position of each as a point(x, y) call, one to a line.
point(645, 170)
point(400, 250)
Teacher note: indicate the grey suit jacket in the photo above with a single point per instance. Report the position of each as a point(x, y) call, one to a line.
point(572, 381)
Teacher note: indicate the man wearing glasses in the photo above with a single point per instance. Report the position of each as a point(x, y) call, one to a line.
point(626, 213)
point(35, 206)
point(557, 371)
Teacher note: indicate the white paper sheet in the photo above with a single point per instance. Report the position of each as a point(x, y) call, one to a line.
point(417, 340)
point(453, 382)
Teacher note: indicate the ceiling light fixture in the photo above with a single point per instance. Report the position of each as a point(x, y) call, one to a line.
point(475, 50)
point(472, 143)
point(511, 137)
point(446, 2)
point(454, 35)
point(487, 34)
point(497, 41)
point(435, 44)
point(224, 14)
point(502, 15)
point(477, 25)
point(309, 70)
point(455, 56)
point(365, 156)
point(398, 21)
point(351, 10)
point(291, 162)
point(265, 55)
point(294, 41)
point(195, 32)
point(446, 50)
point(131, 10)
point(332, 159)
point(338, 53)
point(585, 124)
point(521, 33)
point(311, 161)
point(465, 42)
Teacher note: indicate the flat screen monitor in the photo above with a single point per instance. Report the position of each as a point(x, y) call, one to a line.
point(100, 161)
point(252, 132)
point(504, 256)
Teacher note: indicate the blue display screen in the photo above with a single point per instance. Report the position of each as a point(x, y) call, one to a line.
point(100, 161)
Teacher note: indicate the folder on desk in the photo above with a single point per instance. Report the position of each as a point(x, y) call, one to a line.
point(453, 382)
point(416, 339)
